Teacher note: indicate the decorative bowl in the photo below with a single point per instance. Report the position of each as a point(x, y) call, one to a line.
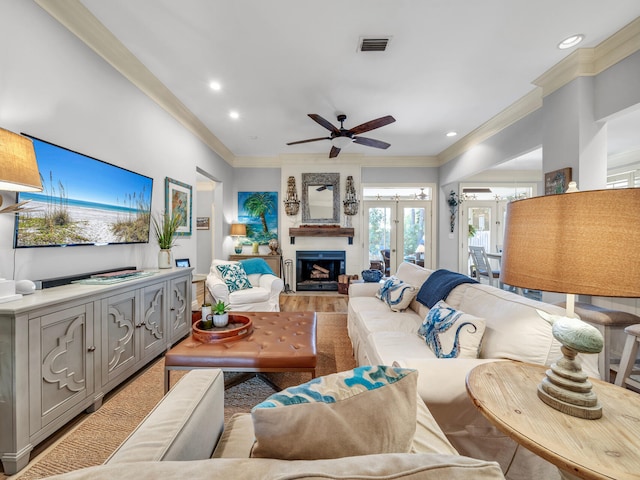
point(371, 275)
point(238, 327)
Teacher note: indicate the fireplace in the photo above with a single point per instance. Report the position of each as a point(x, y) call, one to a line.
point(319, 269)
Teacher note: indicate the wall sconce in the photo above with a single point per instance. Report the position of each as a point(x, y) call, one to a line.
point(454, 201)
point(18, 167)
point(238, 230)
point(350, 202)
point(291, 202)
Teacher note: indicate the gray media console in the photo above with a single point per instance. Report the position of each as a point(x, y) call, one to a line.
point(63, 348)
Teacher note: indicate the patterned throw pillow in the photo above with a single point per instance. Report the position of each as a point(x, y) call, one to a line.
point(397, 294)
point(234, 276)
point(451, 333)
point(371, 409)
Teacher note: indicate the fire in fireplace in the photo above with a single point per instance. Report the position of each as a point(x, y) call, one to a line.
point(319, 269)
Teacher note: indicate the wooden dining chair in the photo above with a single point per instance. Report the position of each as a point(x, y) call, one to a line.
point(628, 359)
point(483, 267)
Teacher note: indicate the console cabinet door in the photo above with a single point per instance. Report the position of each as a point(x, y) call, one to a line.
point(120, 350)
point(61, 344)
point(151, 329)
point(180, 308)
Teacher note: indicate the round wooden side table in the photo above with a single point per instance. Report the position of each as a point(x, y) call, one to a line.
point(606, 448)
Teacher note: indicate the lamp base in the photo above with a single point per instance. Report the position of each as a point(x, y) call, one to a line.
point(567, 389)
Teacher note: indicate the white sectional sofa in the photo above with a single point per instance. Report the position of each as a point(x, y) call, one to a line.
point(184, 437)
point(514, 331)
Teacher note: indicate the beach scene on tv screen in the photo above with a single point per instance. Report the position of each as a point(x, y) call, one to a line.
point(84, 202)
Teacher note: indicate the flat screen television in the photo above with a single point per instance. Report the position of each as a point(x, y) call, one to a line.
point(84, 201)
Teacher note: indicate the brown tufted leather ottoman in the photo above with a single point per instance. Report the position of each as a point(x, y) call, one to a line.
point(280, 342)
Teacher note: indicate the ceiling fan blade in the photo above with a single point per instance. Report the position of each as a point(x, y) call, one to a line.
point(371, 142)
point(372, 124)
point(309, 140)
point(325, 123)
point(334, 152)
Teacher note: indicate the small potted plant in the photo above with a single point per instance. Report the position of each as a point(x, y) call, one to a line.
point(220, 313)
point(165, 229)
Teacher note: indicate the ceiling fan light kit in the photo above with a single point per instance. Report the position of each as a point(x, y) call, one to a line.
point(341, 142)
point(341, 137)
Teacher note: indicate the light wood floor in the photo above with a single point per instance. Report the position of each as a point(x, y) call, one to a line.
point(303, 302)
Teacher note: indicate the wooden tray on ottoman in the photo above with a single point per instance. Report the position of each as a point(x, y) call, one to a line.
point(238, 327)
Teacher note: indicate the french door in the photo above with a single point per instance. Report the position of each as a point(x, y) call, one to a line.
point(485, 223)
point(402, 228)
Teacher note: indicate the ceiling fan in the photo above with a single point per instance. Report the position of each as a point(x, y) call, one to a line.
point(341, 137)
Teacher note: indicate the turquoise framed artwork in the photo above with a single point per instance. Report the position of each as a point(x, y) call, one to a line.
point(177, 197)
point(259, 212)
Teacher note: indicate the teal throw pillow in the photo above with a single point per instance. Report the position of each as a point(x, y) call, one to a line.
point(234, 276)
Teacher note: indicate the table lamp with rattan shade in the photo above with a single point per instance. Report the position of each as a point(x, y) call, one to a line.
point(583, 243)
point(18, 166)
point(238, 230)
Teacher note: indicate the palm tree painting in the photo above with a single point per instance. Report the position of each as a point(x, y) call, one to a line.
point(259, 212)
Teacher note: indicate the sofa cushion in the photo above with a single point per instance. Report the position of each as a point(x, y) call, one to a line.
point(238, 437)
point(374, 467)
point(173, 429)
point(396, 294)
point(303, 422)
point(514, 330)
point(234, 276)
point(451, 333)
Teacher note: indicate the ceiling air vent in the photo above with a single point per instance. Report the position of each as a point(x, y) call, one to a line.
point(373, 44)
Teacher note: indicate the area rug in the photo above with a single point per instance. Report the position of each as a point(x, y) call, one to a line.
point(95, 436)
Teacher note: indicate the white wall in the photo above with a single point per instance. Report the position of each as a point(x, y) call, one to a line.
point(54, 87)
point(353, 252)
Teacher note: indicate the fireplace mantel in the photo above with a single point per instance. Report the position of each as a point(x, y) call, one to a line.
point(321, 231)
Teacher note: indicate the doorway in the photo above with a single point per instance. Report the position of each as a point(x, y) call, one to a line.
point(398, 228)
point(484, 211)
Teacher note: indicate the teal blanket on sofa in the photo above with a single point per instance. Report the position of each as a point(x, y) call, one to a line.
point(256, 265)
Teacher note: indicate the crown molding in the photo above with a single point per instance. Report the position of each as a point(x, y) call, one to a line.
point(582, 62)
point(514, 112)
point(508, 176)
point(592, 61)
point(344, 159)
point(73, 15)
point(619, 46)
point(579, 63)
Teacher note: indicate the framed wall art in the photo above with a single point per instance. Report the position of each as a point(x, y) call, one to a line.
point(202, 223)
point(178, 201)
point(557, 181)
point(259, 212)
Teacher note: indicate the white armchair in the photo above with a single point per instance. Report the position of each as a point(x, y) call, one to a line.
point(263, 296)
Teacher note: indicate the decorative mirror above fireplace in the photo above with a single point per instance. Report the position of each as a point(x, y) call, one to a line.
point(321, 198)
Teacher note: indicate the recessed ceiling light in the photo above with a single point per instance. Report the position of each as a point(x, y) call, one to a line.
point(452, 134)
point(233, 114)
point(215, 86)
point(571, 41)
